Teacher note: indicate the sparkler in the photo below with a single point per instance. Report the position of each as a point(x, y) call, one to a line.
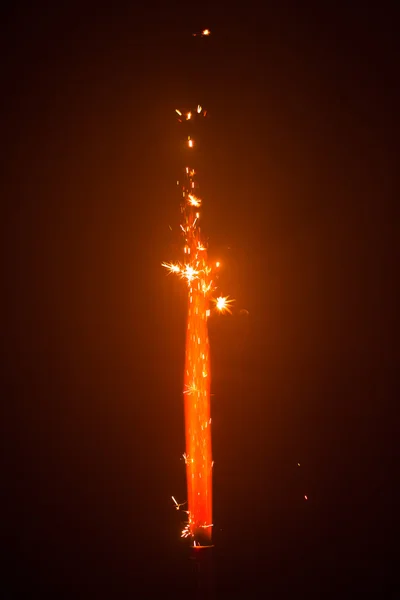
point(200, 278)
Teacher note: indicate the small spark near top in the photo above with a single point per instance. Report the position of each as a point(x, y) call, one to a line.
point(204, 33)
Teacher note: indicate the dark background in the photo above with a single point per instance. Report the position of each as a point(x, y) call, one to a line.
point(296, 176)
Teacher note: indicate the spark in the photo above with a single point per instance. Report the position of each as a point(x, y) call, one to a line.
point(178, 112)
point(190, 389)
point(187, 459)
point(223, 304)
point(190, 142)
point(193, 200)
point(177, 505)
point(199, 109)
point(204, 33)
point(189, 273)
point(172, 268)
point(186, 531)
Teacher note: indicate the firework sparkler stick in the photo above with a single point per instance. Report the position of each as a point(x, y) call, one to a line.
point(200, 277)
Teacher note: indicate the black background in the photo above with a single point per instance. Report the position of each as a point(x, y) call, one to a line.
point(296, 176)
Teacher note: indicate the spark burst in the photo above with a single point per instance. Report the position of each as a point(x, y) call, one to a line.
point(200, 277)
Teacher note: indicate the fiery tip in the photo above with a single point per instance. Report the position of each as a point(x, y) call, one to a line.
point(223, 304)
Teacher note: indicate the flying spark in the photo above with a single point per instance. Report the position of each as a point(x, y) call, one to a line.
point(223, 304)
point(177, 505)
point(171, 267)
point(204, 33)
